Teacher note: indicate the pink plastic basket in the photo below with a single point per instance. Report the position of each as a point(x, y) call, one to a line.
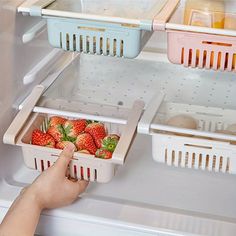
point(202, 50)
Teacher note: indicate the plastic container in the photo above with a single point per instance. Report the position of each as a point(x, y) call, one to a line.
point(96, 38)
point(202, 50)
point(207, 148)
point(230, 21)
point(230, 16)
point(110, 28)
point(197, 36)
point(83, 166)
point(205, 13)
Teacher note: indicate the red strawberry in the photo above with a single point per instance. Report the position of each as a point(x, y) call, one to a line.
point(103, 153)
point(57, 132)
point(62, 144)
point(42, 139)
point(85, 142)
point(56, 120)
point(74, 127)
point(97, 131)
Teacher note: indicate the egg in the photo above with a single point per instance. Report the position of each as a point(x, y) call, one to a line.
point(182, 121)
point(223, 131)
point(232, 128)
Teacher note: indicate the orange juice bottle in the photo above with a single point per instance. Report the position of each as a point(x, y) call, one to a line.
point(205, 13)
point(230, 21)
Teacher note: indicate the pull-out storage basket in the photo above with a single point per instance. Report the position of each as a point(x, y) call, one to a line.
point(202, 36)
point(109, 28)
point(202, 50)
point(121, 121)
point(209, 147)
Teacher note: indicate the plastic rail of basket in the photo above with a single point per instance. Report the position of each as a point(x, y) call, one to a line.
point(159, 22)
point(150, 112)
point(35, 7)
point(128, 133)
point(22, 116)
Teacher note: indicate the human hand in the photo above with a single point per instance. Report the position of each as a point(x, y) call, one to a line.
point(52, 189)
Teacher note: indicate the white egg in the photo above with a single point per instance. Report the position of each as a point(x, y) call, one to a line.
point(232, 128)
point(223, 131)
point(182, 121)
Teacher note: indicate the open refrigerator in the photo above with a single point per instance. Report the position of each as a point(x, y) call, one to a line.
point(111, 61)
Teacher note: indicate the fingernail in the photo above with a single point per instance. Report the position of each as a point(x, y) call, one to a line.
point(70, 147)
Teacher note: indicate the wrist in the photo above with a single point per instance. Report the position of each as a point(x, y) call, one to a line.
point(32, 198)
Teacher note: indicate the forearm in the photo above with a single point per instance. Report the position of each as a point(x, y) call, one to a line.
point(23, 216)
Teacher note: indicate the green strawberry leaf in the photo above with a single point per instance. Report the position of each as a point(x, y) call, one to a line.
point(109, 144)
point(67, 129)
point(71, 139)
point(89, 122)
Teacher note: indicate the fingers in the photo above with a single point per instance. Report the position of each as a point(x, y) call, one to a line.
point(65, 158)
point(78, 186)
point(81, 185)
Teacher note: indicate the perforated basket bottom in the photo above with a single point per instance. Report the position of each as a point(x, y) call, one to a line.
point(92, 44)
point(197, 161)
point(89, 169)
point(194, 153)
point(77, 170)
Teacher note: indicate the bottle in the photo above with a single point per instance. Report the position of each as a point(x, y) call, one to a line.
point(230, 21)
point(205, 13)
point(230, 15)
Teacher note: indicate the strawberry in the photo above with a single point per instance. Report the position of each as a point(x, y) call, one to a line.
point(56, 120)
point(42, 139)
point(103, 153)
point(85, 142)
point(57, 132)
point(97, 131)
point(62, 144)
point(110, 141)
point(73, 128)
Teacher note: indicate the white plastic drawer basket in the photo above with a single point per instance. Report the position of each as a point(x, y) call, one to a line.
point(201, 149)
point(121, 121)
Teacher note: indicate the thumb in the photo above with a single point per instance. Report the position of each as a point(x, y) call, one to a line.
point(65, 158)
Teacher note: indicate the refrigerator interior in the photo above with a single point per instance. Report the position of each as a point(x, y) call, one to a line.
point(154, 186)
point(145, 197)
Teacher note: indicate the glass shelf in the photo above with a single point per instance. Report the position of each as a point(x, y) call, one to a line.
point(133, 9)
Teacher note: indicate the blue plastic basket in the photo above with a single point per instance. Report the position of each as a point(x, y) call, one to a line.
point(110, 28)
point(96, 38)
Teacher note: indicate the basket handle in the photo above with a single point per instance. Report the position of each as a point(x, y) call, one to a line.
point(33, 7)
point(20, 119)
point(127, 135)
point(159, 22)
point(150, 112)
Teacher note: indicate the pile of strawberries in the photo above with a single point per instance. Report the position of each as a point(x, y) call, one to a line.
point(88, 137)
